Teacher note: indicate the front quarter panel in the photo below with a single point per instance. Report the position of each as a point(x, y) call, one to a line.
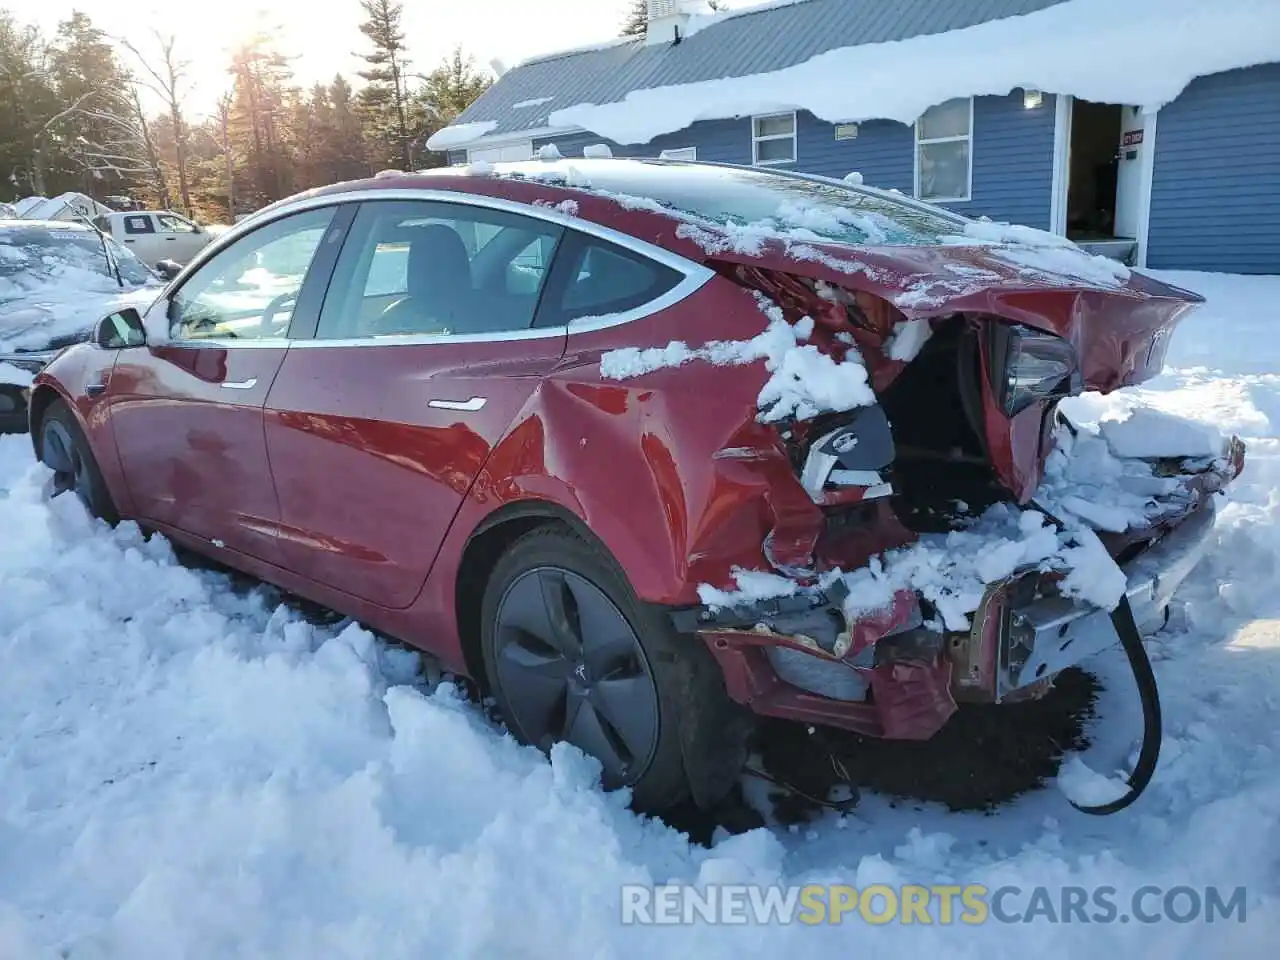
point(69, 376)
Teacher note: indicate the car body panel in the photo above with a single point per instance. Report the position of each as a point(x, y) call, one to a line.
point(352, 426)
point(189, 428)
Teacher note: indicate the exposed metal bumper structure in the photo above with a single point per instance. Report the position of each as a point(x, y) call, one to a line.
point(1048, 635)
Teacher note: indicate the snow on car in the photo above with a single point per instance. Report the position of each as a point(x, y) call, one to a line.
point(57, 280)
point(192, 769)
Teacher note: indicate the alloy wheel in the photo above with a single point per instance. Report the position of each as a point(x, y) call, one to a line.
point(570, 667)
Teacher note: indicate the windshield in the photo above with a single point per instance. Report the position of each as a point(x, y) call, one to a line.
point(793, 206)
point(35, 254)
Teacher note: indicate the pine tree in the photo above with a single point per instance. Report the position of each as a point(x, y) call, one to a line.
point(386, 97)
point(637, 19)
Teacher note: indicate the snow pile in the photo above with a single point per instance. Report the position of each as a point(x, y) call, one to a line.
point(459, 135)
point(908, 339)
point(597, 151)
point(549, 151)
point(952, 571)
point(804, 381)
point(1146, 432)
point(1042, 255)
point(1141, 52)
point(15, 375)
point(479, 168)
point(534, 102)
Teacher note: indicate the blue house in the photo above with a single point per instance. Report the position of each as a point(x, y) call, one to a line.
point(1148, 130)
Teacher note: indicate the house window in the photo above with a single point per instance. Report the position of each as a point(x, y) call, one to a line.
point(944, 151)
point(773, 139)
point(681, 153)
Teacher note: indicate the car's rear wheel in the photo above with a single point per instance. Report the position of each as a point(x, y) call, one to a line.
point(572, 655)
point(64, 449)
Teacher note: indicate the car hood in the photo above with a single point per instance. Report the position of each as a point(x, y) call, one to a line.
point(51, 318)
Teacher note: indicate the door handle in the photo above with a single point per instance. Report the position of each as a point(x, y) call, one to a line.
point(95, 389)
point(239, 384)
point(465, 406)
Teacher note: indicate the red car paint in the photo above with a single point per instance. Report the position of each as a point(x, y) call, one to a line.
point(332, 477)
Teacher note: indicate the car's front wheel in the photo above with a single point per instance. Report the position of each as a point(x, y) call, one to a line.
point(572, 655)
point(64, 449)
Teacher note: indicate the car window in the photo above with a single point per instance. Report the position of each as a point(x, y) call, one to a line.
point(440, 269)
point(136, 225)
point(249, 289)
point(604, 278)
point(171, 223)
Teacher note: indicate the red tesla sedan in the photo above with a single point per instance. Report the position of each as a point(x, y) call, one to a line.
point(546, 421)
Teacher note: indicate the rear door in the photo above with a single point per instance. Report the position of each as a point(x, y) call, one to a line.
point(424, 353)
point(187, 415)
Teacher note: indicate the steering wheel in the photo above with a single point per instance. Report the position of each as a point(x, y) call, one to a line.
point(269, 314)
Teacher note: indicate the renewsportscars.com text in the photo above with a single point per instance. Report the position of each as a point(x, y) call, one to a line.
point(970, 904)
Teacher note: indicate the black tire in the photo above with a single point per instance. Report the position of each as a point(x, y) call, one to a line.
point(673, 675)
point(65, 450)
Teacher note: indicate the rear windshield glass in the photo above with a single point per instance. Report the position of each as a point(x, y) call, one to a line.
point(797, 207)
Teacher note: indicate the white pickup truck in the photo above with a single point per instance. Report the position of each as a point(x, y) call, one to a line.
point(155, 235)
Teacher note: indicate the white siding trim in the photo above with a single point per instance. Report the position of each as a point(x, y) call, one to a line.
point(1148, 178)
point(968, 194)
point(756, 139)
point(1061, 165)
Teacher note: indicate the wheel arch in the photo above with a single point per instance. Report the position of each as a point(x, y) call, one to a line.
point(490, 538)
point(42, 398)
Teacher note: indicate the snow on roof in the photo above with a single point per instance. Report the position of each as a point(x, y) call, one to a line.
point(459, 134)
point(1141, 52)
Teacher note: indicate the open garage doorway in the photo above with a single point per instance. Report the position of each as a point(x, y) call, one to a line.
point(1104, 186)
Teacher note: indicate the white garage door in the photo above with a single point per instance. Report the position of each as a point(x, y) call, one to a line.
point(501, 153)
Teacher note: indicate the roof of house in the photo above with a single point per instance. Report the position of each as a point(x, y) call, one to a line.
point(751, 41)
point(853, 60)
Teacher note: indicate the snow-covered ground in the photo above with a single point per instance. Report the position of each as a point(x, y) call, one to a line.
point(187, 770)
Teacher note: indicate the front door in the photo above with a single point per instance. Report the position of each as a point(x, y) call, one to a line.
point(187, 414)
point(1129, 172)
point(179, 238)
point(424, 355)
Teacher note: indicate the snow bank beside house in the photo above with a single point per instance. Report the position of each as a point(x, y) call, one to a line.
point(1140, 52)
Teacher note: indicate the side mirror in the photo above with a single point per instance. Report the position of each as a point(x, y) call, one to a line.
point(168, 269)
point(120, 330)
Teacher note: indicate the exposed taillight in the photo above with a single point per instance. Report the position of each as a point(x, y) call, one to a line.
point(1028, 366)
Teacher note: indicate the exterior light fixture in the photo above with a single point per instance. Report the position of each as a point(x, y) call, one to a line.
point(1032, 99)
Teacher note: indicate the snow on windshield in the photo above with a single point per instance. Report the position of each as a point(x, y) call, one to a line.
point(56, 284)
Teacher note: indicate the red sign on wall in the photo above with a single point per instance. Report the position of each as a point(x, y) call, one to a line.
point(1131, 138)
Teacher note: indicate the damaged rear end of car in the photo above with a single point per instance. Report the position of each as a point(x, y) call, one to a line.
point(857, 621)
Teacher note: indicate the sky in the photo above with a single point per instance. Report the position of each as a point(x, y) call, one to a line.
point(323, 35)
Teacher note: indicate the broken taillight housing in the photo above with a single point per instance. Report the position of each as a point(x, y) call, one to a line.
point(1028, 365)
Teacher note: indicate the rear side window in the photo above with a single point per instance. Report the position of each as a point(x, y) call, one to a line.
point(136, 225)
point(598, 278)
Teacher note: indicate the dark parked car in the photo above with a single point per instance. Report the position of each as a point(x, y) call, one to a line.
point(57, 280)
point(513, 417)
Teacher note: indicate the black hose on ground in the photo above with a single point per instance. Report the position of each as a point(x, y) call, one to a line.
point(1152, 727)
